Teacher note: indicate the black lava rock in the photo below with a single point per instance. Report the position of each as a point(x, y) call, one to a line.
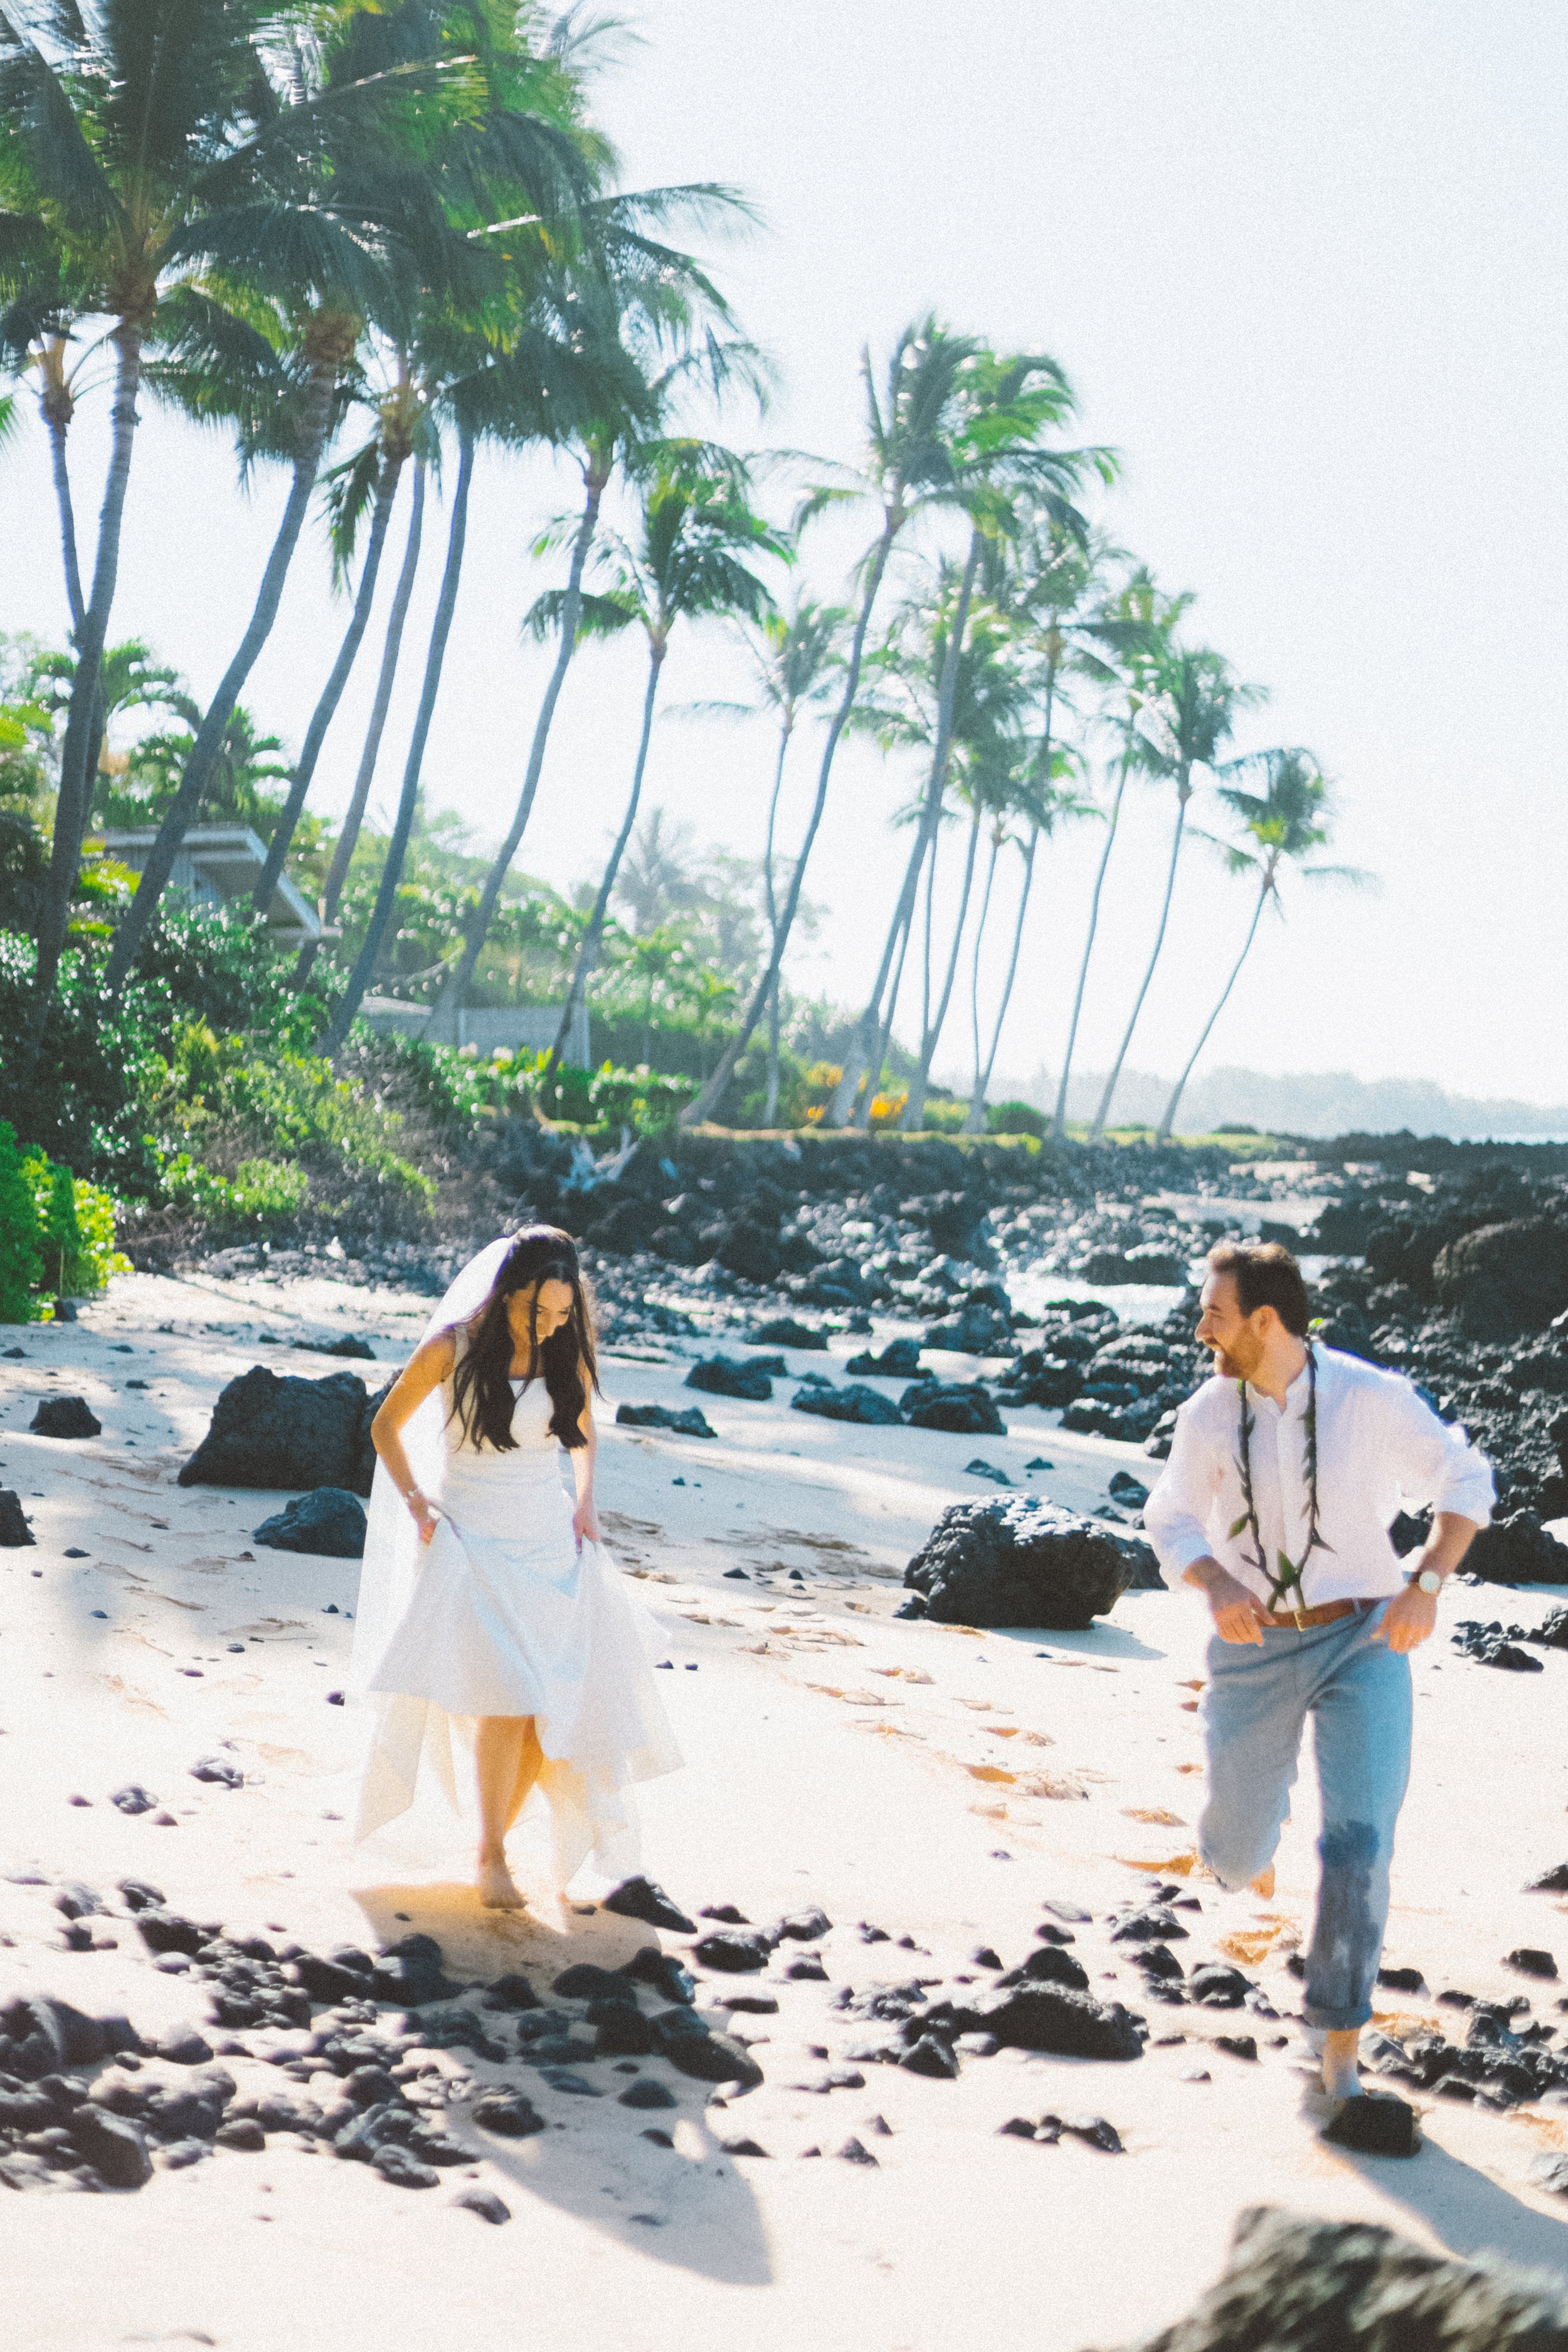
point(1505, 1278)
point(647, 2094)
point(1374, 2126)
point(1023, 1562)
point(1048, 2018)
point(1215, 1986)
point(783, 1331)
point(1490, 1645)
point(734, 1950)
point(804, 1927)
point(1517, 1549)
point(964, 1409)
point(291, 1434)
point(640, 1898)
point(330, 1522)
point(16, 1535)
point(65, 1416)
point(900, 1360)
point(1049, 1965)
point(485, 2203)
point(726, 1376)
point(929, 2056)
point(507, 2114)
point(854, 1402)
point(663, 1972)
point(583, 1981)
point(112, 2145)
point(692, 1422)
point(688, 2042)
point(1531, 1962)
point(1552, 1882)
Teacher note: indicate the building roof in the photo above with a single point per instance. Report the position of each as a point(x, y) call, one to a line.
point(228, 859)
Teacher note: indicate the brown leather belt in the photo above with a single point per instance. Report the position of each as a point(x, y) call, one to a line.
point(1328, 1613)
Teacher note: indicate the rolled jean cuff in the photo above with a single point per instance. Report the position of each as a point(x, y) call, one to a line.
point(1336, 2021)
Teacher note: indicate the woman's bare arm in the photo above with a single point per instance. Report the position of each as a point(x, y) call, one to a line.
point(584, 1458)
point(429, 1365)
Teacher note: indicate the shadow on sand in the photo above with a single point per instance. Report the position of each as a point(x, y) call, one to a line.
point(1109, 1642)
point(688, 2205)
point(1466, 2209)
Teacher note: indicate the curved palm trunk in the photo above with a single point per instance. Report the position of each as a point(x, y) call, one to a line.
point(397, 848)
point(1059, 1116)
point(443, 1028)
point(207, 751)
point(354, 817)
point(332, 692)
point(588, 953)
point(975, 1122)
point(1098, 1129)
point(84, 726)
point(914, 1107)
point(66, 508)
point(770, 897)
point(1168, 1121)
point(703, 1105)
point(871, 1025)
point(974, 1090)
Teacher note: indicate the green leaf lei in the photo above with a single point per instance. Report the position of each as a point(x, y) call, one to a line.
point(1290, 1577)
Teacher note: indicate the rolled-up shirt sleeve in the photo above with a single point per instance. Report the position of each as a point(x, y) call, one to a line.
point(1175, 1517)
point(1434, 1460)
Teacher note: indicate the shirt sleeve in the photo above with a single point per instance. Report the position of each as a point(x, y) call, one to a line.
point(1435, 1461)
point(1175, 1517)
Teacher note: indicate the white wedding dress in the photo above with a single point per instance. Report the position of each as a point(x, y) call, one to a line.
point(503, 1614)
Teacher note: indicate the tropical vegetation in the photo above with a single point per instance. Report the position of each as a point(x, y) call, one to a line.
point(385, 249)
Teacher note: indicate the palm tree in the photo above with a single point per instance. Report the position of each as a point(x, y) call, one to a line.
point(645, 319)
point(907, 465)
point(372, 475)
point(1280, 826)
point(1141, 623)
point(797, 659)
point(1044, 803)
point(1005, 404)
point(354, 818)
point(144, 145)
point(696, 541)
point(1182, 726)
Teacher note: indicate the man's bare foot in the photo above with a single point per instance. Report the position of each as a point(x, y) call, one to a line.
point(1263, 1885)
point(1340, 2078)
point(499, 1890)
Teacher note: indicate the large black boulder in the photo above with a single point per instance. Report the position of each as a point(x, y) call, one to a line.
point(288, 1433)
point(1295, 2285)
point(1023, 1561)
point(900, 1360)
point(977, 1330)
point(964, 1409)
point(15, 1532)
point(1518, 1550)
point(65, 1416)
point(1503, 1279)
point(1052, 2017)
point(329, 1521)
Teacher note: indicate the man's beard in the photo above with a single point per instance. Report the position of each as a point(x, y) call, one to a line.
point(1229, 1367)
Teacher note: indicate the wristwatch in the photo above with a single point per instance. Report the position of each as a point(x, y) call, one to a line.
point(1429, 1580)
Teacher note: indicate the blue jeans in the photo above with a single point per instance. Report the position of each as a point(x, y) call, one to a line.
point(1357, 1692)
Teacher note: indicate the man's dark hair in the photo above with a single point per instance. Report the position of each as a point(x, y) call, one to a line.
point(1265, 1275)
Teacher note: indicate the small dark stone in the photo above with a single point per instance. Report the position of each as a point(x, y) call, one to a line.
point(509, 2115)
point(512, 1991)
point(65, 1416)
point(1552, 1882)
point(133, 1799)
point(640, 1898)
point(854, 2151)
point(1215, 1986)
point(403, 2169)
point(245, 2136)
point(646, 2094)
point(930, 2056)
point(75, 1551)
point(741, 2148)
point(182, 2045)
point(709, 2057)
point(1549, 2172)
point(219, 1771)
point(1093, 2130)
point(726, 1913)
point(805, 1926)
point(1531, 1962)
point(1016, 2127)
point(692, 1422)
point(1241, 2045)
point(984, 1957)
point(1401, 1980)
point(783, 1331)
point(485, 2203)
point(112, 2145)
point(16, 1535)
point(659, 2138)
point(1374, 2126)
point(171, 1931)
point(734, 1951)
point(853, 1402)
point(329, 1522)
point(140, 1893)
point(726, 1376)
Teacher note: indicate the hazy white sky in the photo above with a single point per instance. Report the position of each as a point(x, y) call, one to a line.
point(1305, 265)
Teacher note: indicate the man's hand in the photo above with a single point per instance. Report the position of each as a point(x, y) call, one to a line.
point(1238, 1615)
point(1408, 1619)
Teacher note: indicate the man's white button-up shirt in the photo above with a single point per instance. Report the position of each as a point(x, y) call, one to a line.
point(1380, 1448)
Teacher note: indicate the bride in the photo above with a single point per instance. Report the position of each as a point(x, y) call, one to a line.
point(488, 1606)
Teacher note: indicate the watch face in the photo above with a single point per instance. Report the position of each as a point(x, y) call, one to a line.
point(1429, 1580)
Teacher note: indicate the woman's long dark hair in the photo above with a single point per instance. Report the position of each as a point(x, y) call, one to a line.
point(482, 1397)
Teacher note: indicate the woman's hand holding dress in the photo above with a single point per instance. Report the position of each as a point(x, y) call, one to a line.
point(586, 1523)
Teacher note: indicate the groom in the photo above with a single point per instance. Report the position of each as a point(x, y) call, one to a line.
point(1285, 1472)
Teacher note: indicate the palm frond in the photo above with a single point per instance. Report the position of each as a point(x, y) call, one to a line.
point(350, 491)
point(604, 616)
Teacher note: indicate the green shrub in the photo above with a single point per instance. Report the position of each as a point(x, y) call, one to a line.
point(1015, 1118)
point(21, 1263)
point(96, 1257)
point(649, 1101)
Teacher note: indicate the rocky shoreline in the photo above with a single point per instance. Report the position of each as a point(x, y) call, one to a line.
point(1459, 1278)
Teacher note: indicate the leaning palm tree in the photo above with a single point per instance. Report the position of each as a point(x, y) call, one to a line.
point(143, 143)
point(1196, 701)
point(647, 321)
point(1280, 827)
point(697, 540)
point(1137, 624)
point(1002, 471)
point(912, 417)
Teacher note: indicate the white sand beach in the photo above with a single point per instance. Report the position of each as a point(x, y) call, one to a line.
point(935, 1782)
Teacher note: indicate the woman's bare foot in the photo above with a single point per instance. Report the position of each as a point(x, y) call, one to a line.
point(499, 1890)
point(1263, 1885)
